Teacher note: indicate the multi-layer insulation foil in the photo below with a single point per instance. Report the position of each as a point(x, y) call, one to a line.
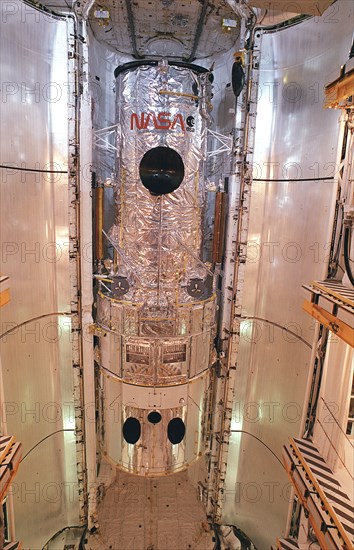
point(160, 300)
point(155, 109)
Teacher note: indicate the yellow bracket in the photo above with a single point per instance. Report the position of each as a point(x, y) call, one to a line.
point(96, 330)
point(338, 92)
point(240, 56)
point(4, 290)
point(182, 94)
point(5, 447)
point(335, 325)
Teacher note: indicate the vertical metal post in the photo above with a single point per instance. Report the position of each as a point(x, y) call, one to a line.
point(219, 227)
point(86, 141)
point(235, 259)
point(74, 98)
point(99, 220)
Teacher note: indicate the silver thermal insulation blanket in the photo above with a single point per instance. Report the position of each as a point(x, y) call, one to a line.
point(158, 239)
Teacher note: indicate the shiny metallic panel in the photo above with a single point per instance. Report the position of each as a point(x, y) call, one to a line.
point(296, 139)
point(154, 454)
point(169, 353)
point(36, 356)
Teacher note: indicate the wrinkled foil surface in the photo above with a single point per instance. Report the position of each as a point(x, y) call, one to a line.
point(160, 333)
point(149, 229)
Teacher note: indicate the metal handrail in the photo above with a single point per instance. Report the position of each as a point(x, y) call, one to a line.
point(321, 495)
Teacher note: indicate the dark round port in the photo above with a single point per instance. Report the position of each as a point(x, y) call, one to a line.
point(131, 430)
point(154, 417)
point(161, 170)
point(176, 430)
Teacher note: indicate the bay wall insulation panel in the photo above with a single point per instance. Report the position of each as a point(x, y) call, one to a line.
point(36, 356)
point(290, 224)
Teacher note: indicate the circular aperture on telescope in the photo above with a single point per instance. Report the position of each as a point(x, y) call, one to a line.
point(154, 417)
point(161, 170)
point(176, 430)
point(131, 430)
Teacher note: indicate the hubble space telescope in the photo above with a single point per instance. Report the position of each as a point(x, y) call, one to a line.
point(156, 306)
